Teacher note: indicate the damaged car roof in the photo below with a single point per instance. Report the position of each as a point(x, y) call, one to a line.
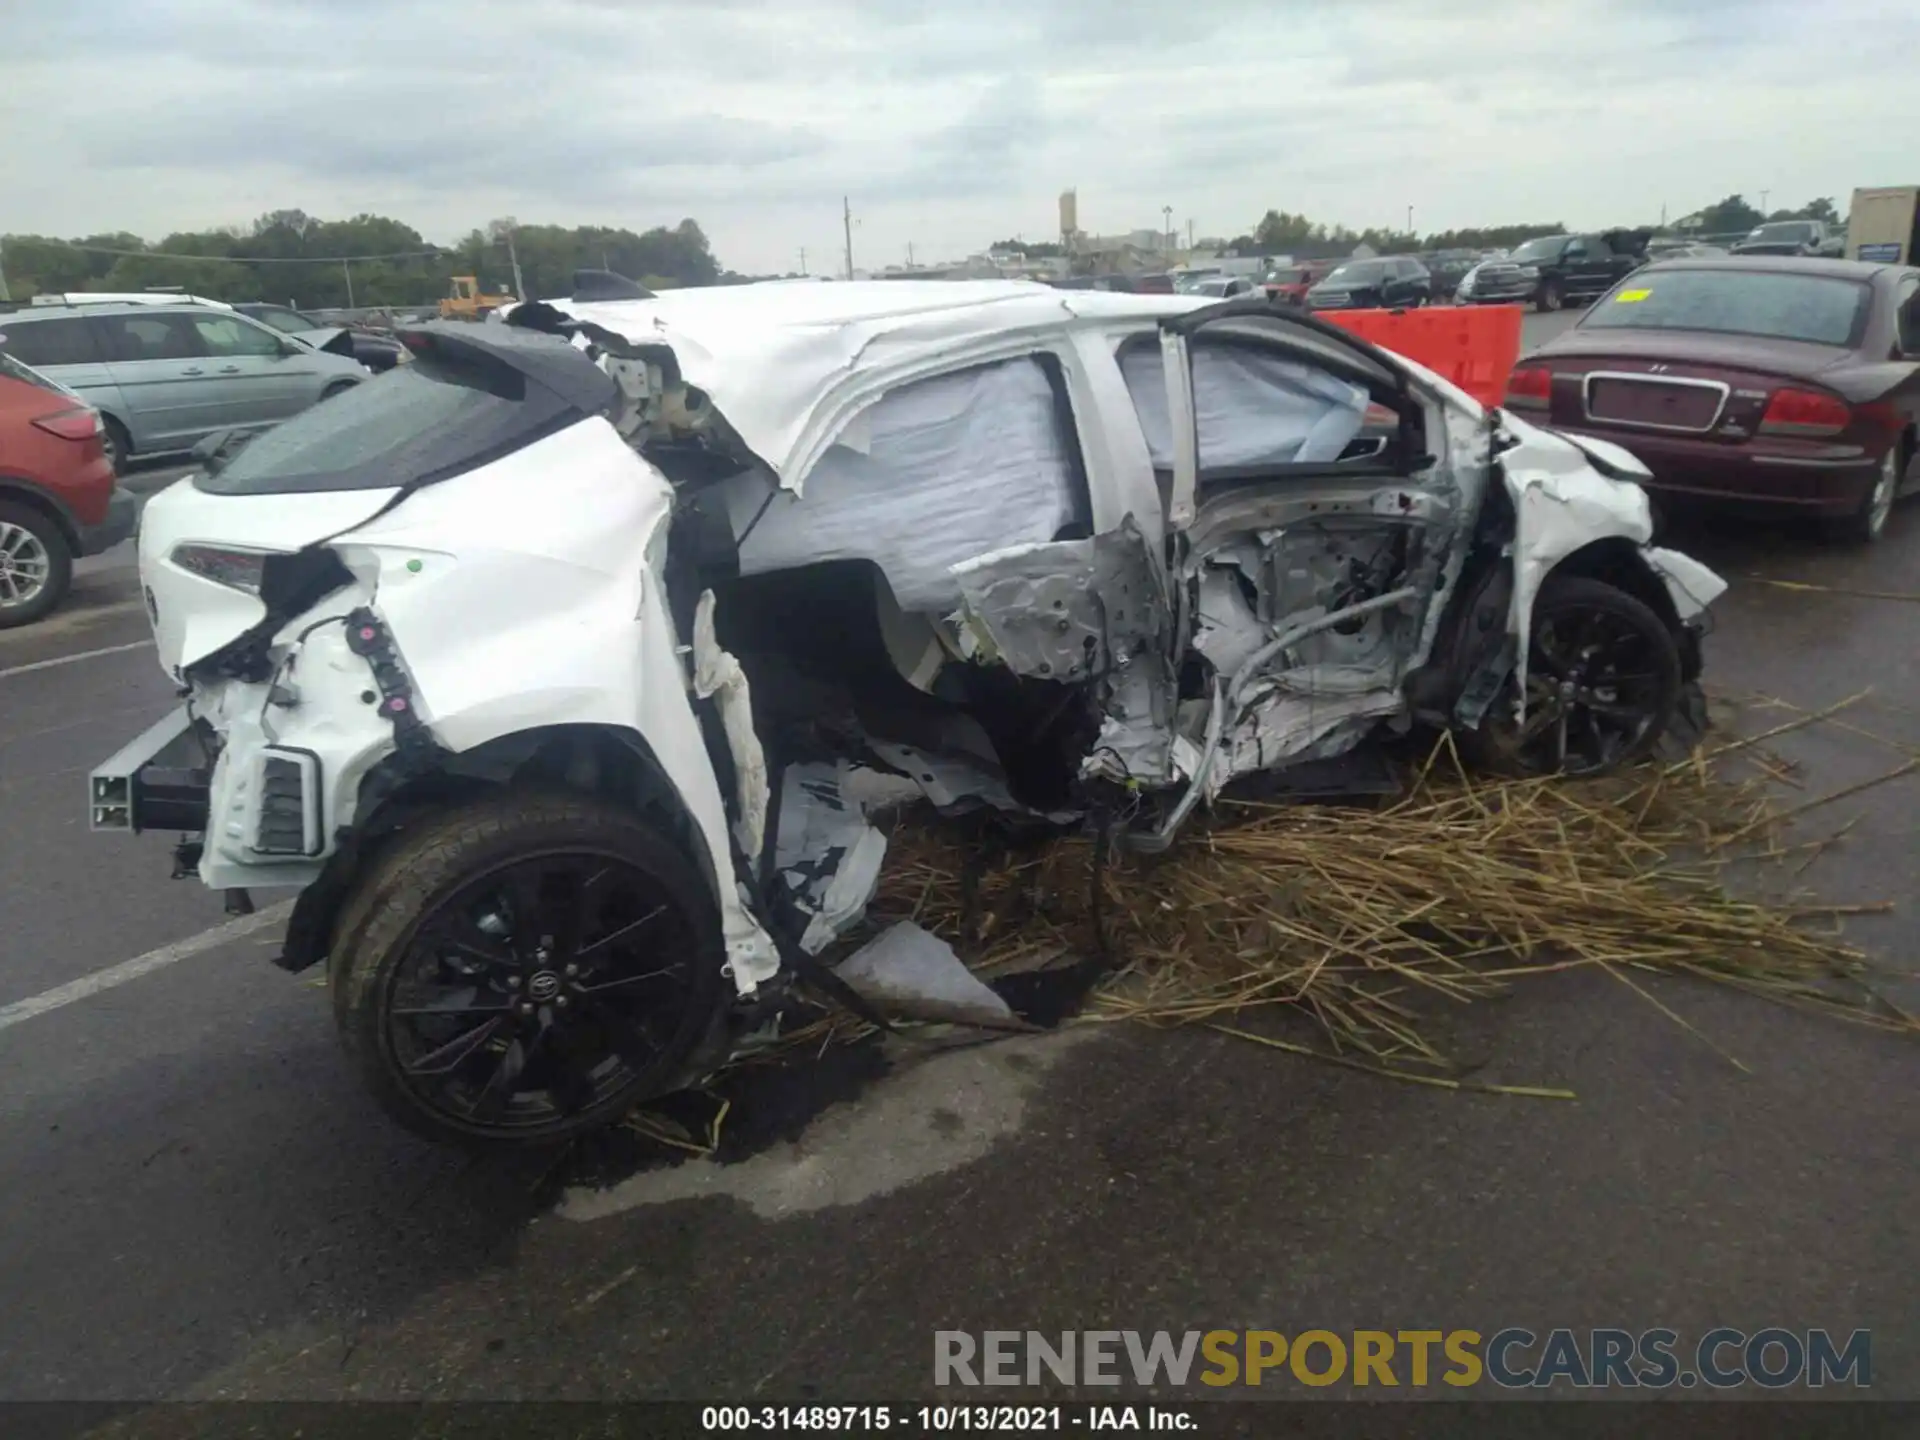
point(790, 362)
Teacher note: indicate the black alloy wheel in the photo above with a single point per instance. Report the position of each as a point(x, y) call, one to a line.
point(534, 970)
point(1603, 680)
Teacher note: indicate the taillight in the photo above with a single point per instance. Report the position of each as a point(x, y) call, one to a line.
point(1529, 389)
point(1805, 412)
point(236, 569)
point(71, 424)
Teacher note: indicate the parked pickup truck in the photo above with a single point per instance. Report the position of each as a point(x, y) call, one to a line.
point(1792, 237)
point(1554, 269)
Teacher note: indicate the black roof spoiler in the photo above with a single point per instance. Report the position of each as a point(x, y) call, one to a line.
point(503, 351)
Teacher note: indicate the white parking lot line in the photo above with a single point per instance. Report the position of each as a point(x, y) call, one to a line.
point(115, 975)
point(59, 660)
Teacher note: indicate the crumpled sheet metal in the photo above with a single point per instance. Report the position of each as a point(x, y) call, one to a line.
point(827, 853)
point(907, 972)
point(1069, 611)
point(717, 676)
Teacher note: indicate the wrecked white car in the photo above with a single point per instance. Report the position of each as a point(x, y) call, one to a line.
point(553, 671)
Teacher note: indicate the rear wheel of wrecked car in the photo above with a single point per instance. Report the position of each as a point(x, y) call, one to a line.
point(1551, 297)
point(1603, 678)
point(527, 968)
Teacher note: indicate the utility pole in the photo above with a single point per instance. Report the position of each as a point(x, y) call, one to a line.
point(1763, 202)
point(4, 295)
point(1189, 234)
point(1409, 220)
point(1166, 215)
point(846, 224)
point(909, 254)
point(803, 259)
point(347, 270)
point(503, 230)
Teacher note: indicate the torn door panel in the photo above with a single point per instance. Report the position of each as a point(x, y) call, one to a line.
point(1069, 611)
point(1287, 730)
point(1083, 612)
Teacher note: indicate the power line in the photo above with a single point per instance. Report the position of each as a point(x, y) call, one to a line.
point(243, 259)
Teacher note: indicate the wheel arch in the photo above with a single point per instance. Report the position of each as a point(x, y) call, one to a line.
point(25, 492)
point(1622, 563)
point(1619, 562)
point(605, 761)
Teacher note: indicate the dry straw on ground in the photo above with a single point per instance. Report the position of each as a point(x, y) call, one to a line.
point(1367, 917)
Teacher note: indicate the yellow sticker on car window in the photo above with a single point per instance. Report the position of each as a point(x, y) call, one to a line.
point(1627, 297)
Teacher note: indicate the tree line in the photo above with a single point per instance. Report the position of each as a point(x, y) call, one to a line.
point(1280, 232)
point(369, 260)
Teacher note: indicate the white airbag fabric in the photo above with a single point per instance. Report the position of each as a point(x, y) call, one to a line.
point(1254, 407)
point(931, 474)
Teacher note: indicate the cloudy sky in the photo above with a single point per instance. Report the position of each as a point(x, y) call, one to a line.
point(950, 125)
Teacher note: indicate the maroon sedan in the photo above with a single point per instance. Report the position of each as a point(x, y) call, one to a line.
point(1785, 381)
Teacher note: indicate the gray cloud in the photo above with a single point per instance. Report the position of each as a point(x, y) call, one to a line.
point(947, 125)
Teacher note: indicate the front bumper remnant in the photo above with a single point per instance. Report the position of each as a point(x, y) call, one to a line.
point(159, 781)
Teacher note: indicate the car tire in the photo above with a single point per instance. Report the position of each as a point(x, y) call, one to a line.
point(1499, 746)
point(1551, 297)
point(1868, 522)
point(436, 880)
point(36, 564)
point(113, 440)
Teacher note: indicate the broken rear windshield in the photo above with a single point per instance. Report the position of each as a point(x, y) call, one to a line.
point(416, 424)
point(1816, 308)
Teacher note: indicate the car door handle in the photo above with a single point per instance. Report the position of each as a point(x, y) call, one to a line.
point(193, 370)
point(229, 369)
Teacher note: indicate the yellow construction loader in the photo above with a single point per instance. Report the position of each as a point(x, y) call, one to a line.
point(466, 301)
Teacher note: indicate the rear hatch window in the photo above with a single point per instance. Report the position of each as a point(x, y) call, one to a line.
point(415, 425)
point(1819, 309)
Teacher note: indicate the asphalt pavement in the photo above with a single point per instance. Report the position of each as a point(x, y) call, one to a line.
point(197, 1200)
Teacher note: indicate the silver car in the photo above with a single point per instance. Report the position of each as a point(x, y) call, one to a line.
point(163, 377)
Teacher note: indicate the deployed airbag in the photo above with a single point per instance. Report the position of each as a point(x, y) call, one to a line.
point(1253, 407)
point(932, 474)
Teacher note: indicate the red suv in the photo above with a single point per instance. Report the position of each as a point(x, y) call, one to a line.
point(58, 498)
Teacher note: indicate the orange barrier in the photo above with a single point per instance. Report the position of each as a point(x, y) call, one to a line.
point(1474, 346)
